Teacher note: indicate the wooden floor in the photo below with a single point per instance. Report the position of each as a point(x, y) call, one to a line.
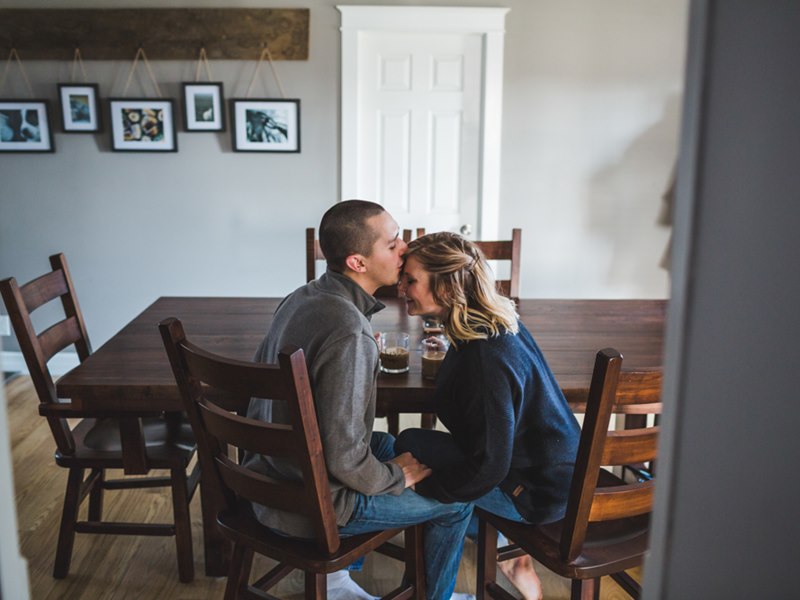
point(110, 567)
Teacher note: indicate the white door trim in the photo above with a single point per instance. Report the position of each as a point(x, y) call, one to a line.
point(490, 24)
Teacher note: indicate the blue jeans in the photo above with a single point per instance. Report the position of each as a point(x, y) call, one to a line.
point(438, 450)
point(444, 529)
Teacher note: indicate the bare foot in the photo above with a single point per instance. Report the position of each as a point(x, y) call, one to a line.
point(522, 575)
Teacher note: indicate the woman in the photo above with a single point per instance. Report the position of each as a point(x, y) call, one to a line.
point(513, 438)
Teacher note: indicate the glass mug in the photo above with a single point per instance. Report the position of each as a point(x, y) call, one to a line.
point(394, 352)
point(433, 352)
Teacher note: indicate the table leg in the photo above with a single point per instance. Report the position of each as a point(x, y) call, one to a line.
point(134, 455)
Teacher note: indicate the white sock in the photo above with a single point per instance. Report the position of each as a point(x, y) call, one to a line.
point(342, 587)
point(460, 596)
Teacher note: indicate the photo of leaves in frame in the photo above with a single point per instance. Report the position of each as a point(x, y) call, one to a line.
point(266, 125)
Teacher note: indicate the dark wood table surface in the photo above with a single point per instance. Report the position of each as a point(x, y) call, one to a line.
point(130, 372)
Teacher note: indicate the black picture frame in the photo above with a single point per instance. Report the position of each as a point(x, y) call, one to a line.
point(265, 124)
point(142, 125)
point(80, 108)
point(25, 126)
point(203, 106)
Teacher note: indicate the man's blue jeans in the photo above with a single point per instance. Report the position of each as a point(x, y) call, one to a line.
point(444, 529)
point(438, 450)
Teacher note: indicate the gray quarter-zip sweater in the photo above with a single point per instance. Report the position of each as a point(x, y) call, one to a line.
point(329, 318)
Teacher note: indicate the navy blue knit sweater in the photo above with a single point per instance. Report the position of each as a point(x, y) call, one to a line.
point(506, 413)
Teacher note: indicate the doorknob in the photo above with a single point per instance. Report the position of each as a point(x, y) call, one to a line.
point(466, 230)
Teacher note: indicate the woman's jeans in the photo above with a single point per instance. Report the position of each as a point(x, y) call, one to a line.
point(438, 450)
point(444, 529)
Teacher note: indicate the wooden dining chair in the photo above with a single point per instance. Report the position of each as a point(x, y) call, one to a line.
point(96, 442)
point(314, 254)
point(216, 392)
point(605, 529)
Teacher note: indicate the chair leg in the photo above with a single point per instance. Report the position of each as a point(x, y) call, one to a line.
point(585, 589)
point(415, 560)
point(628, 583)
point(487, 558)
point(96, 495)
point(69, 514)
point(238, 571)
point(183, 525)
point(316, 586)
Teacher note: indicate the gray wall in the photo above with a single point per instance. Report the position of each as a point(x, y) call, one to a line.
point(727, 501)
point(591, 110)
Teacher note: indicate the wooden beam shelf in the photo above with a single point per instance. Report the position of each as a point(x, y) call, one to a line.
point(165, 34)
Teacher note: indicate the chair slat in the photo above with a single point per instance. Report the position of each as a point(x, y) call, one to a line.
point(270, 439)
point(622, 501)
point(43, 289)
point(496, 250)
point(237, 377)
point(630, 446)
point(57, 337)
point(260, 489)
point(653, 408)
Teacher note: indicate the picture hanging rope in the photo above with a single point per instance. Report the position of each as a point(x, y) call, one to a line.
point(140, 52)
point(265, 54)
point(14, 55)
point(202, 59)
point(77, 59)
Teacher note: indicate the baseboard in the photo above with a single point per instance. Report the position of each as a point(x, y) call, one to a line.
point(12, 362)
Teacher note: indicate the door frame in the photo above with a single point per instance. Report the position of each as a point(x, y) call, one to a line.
point(490, 24)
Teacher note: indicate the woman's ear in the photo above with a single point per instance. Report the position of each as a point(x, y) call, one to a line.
point(355, 262)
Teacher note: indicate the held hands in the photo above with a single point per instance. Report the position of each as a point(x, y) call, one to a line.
point(413, 470)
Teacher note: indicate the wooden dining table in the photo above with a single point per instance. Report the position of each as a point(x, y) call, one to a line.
point(130, 373)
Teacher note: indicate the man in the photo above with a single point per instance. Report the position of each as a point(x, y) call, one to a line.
point(329, 318)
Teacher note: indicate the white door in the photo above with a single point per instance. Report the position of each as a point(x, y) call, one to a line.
point(419, 127)
point(421, 113)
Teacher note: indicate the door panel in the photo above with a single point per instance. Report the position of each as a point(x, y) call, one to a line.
point(419, 126)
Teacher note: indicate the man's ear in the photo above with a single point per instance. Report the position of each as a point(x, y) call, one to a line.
point(355, 262)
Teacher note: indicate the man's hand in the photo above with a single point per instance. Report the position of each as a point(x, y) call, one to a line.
point(414, 470)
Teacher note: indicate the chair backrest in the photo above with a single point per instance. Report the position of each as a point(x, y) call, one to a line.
point(501, 250)
point(214, 389)
point(314, 254)
point(38, 349)
point(589, 501)
point(506, 250)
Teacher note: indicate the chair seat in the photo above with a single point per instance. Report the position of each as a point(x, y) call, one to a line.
point(98, 440)
point(243, 528)
point(610, 546)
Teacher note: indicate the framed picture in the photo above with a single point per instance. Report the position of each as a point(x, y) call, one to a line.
point(25, 126)
point(203, 107)
point(79, 108)
point(268, 125)
point(142, 125)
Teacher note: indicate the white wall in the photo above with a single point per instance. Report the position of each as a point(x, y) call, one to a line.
point(589, 135)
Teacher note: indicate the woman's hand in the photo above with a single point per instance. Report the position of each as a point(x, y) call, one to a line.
point(413, 470)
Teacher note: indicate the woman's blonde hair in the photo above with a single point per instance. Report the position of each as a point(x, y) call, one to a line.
point(461, 281)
